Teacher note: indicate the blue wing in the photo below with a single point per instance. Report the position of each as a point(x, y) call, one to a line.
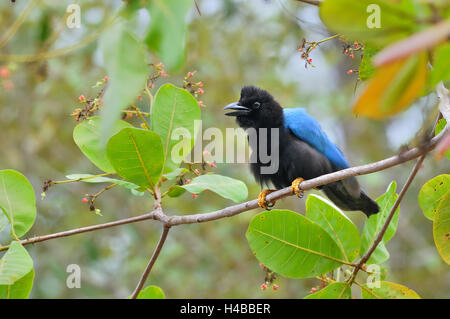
point(306, 128)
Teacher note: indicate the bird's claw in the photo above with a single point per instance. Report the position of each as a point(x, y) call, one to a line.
point(295, 187)
point(262, 202)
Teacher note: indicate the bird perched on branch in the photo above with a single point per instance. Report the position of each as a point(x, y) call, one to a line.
point(305, 151)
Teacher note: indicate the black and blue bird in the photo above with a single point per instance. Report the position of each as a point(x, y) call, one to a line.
point(305, 151)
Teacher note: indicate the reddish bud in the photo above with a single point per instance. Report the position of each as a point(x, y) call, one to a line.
point(160, 66)
point(200, 91)
point(130, 115)
point(105, 79)
point(349, 71)
point(200, 84)
point(263, 286)
point(356, 45)
point(139, 97)
point(275, 287)
point(309, 60)
point(162, 73)
point(313, 290)
point(194, 196)
point(4, 72)
point(84, 200)
point(201, 104)
point(81, 98)
point(212, 164)
point(206, 153)
point(351, 56)
point(151, 85)
point(190, 74)
point(300, 50)
point(261, 265)
point(188, 181)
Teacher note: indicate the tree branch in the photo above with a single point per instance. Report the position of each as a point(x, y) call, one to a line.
point(152, 261)
point(313, 2)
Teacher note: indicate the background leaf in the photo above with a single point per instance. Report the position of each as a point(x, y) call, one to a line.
point(441, 228)
point(389, 290)
point(137, 156)
point(224, 186)
point(336, 290)
point(20, 289)
point(349, 18)
point(336, 224)
point(87, 137)
point(292, 245)
point(366, 68)
point(432, 193)
point(173, 108)
point(441, 64)
point(375, 222)
point(124, 59)
point(393, 87)
point(167, 30)
point(151, 292)
point(17, 201)
point(15, 264)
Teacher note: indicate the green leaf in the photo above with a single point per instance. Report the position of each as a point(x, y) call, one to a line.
point(439, 127)
point(366, 68)
point(177, 172)
point(175, 191)
point(3, 219)
point(441, 228)
point(137, 156)
point(357, 20)
point(375, 223)
point(124, 59)
point(103, 179)
point(167, 29)
point(17, 201)
point(87, 137)
point(20, 289)
point(441, 65)
point(336, 224)
point(389, 290)
point(432, 193)
point(15, 264)
point(224, 186)
point(292, 245)
point(174, 111)
point(336, 290)
point(151, 292)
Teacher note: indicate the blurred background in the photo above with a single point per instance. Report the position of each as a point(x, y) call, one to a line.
point(233, 43)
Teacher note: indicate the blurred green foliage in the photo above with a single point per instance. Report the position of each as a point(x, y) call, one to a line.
point(233, 43)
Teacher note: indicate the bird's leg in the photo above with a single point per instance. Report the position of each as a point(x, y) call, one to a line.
point(262, 202)
point(295, 187)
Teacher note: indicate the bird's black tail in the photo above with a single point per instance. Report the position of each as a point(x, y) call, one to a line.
point(339, 195)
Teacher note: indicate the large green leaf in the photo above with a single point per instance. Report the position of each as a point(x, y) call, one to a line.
point(174, 111)
point(352, 19)
point(366, 68)
point(441, 228)
point(292, 245)
point(375, 223)
point(167, 29)
point(224, 186)
point(151, 292)
point(20, 289)
point(15, 264)
point(17, 201)
point(432, 193)
point(124, 59)
point(336, 290)
point(337, 225)
point(389, 290)
point(137, 156)
point(87, 136)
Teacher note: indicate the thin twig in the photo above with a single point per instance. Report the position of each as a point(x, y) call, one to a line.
point(152, 261)
point(313, 2)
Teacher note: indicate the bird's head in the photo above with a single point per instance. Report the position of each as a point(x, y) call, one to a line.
point(256, 108)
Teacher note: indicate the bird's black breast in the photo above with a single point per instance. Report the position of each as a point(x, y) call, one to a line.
point(296, 159)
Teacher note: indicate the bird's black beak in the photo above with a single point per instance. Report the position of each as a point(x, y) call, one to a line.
point(239, 109)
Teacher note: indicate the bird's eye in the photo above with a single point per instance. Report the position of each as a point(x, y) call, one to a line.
point(256, 105)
